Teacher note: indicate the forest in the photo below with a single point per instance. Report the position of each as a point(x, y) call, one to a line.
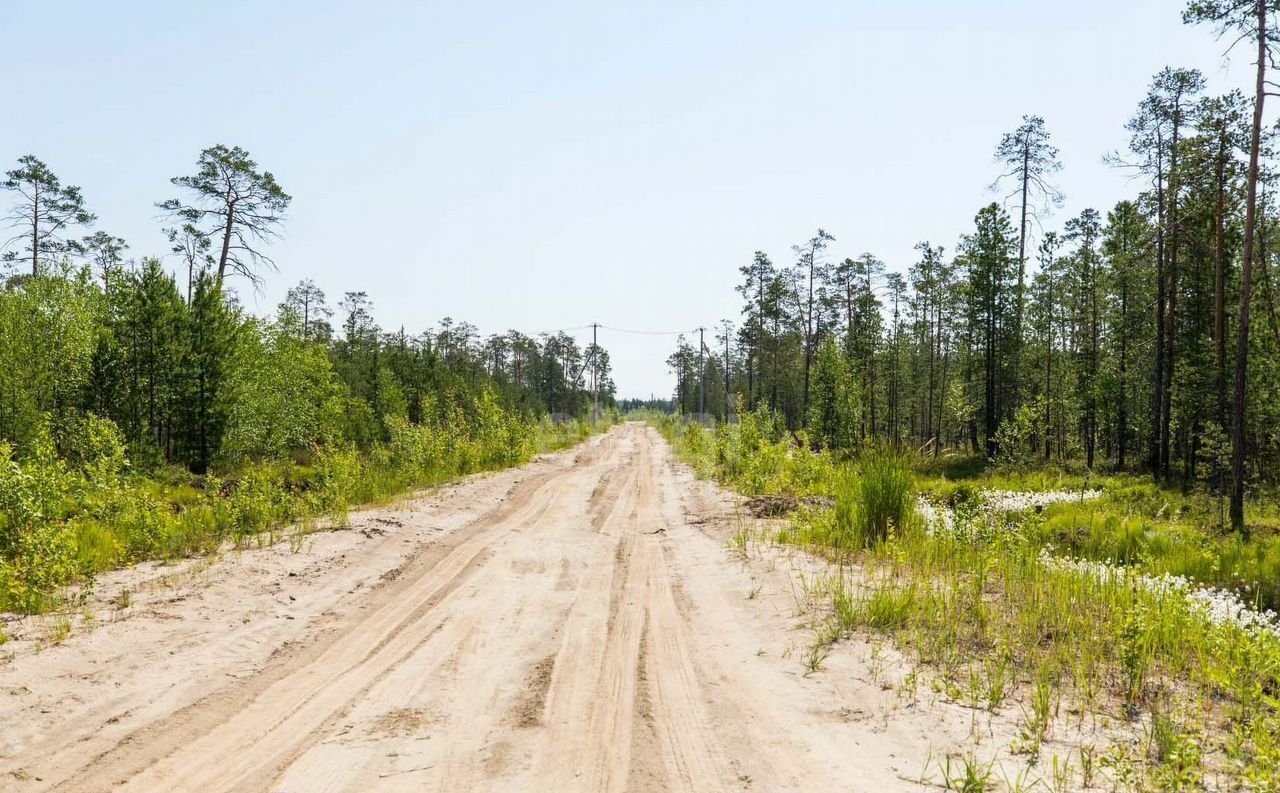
point(144, 412)
point(1120, 337)
point(1043, 463)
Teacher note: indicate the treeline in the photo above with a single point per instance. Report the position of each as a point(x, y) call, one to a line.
point(200, 383)
point(190, 378)
point(641, 405)
point(144, 412)
point(1120, 339)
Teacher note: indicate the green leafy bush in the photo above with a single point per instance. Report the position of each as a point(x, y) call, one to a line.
point(37, 551)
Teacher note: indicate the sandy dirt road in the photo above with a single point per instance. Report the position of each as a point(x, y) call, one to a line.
point(575, 625)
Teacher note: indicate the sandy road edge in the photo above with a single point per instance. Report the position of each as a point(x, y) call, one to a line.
point(155, 639)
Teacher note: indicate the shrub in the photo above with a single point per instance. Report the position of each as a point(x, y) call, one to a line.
point(70, 509)
point(92, 445)
point(37, 551)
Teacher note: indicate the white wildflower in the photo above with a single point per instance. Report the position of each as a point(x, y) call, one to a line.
point(1014, 501)
point(1218, 606)
point(941, 519)
point(937, 520)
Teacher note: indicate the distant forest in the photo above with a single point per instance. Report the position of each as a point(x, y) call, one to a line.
point(659, 405)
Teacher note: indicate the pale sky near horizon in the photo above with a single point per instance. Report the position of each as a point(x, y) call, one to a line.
point(543, 166)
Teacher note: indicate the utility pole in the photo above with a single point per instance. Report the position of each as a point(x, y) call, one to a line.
point(702, 374)
point(728, 406)
point(595, 375)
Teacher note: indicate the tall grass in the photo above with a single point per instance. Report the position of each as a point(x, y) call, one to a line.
point(995, 621)
point(884, 500)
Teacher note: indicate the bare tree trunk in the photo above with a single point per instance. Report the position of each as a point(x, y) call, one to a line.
point(1022, 277)
point(808, 338)
point(968, 385)
point(35, 233)
point(933, 358)
point(1171, 321)
point(937, 432)
point(226, 243)
point(1157, 402)
point(1048, 382)
point(1122, 430)
point(871, 358)
point(1246, 285)
point(773, 386)
point(931, 338)
point(1268, 289)
point(989, 391)
point(1220, 285)
point(1092, 442)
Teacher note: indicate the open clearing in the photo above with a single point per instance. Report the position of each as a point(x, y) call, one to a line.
point(575, 624)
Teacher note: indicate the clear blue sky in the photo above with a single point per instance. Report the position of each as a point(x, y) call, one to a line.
point(543, 165)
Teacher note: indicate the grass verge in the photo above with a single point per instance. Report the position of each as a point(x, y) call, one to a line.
point(1181, 695)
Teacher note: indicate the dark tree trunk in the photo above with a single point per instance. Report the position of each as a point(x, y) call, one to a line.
point(1022, 277)
point(1246, 285)
point(1171, 298)
point(1048, 381)
point(1092, 413)
point(226, 242)
point(1157, 402)
point(989, 392)
point(1220, 283)
point(808, 338)
point(35, 234)
point(1122, 418)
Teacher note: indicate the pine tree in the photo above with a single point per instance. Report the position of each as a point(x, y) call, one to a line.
point(834, 419)
point(992, 263)
point(45, 210)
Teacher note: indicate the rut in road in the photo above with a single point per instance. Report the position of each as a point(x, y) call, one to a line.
point(581, 636)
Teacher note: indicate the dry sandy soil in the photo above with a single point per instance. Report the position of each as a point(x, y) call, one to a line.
point(575, 624)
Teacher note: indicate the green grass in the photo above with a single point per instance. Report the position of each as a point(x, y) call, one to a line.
point(995, 623)
point(1159, 529)
point(60, 525)
point(1136, 526)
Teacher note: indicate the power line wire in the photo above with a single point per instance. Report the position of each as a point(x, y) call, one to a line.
point(649, 332)
point(559, 330)
point(602, 326)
